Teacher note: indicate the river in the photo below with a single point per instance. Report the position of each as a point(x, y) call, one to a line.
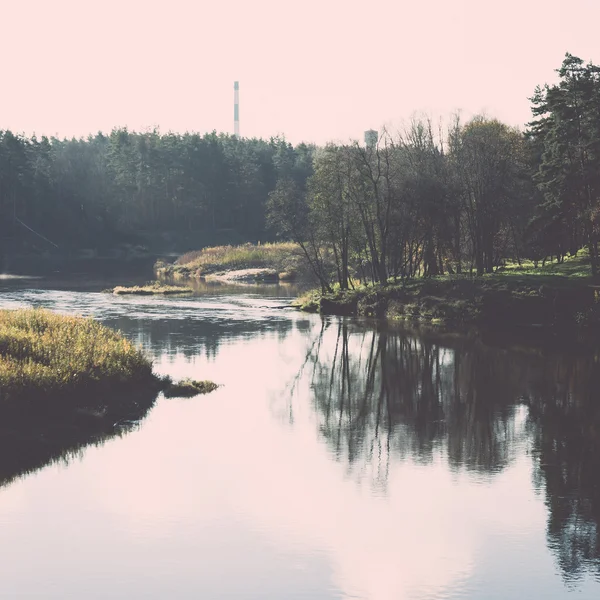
point(339, 458)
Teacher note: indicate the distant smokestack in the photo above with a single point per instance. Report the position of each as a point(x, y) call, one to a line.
point(236, 109)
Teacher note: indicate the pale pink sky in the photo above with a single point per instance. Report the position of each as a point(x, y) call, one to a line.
point(314, 70)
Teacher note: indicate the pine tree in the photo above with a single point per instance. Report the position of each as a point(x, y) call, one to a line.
point(567, 128)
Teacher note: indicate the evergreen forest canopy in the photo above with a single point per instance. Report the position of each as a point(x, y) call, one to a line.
point(106, 188)
point(425, 201)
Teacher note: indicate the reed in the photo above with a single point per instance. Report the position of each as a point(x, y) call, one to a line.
point(44, 355)
point(154, 288)
point(284, 257)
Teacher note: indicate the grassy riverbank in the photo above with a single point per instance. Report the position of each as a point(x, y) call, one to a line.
point(70, 360)
point(285, 259)
point(521, 295)
point(54, 361)
point(66, 382)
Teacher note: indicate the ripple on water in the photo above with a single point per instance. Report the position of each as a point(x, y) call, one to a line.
point(107, 307)
point(337, 460)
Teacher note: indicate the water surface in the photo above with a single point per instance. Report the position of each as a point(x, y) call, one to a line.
point(339, 459)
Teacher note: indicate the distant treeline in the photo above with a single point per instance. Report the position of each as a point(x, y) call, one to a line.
point(432, 200)
point(425, 201)
point(93, 192)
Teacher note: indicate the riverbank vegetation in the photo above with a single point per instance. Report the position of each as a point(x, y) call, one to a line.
point(187, 388)
point(444, 204)
point(66, 361)
point(560, 295)
point(467, 199)
point(66, 382)
point(54, 362)
point(461, 213)
point(285, 259)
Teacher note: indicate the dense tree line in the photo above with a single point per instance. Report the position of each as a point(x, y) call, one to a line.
point(414, 203)
point(565, 137)
point(425, 201)
point(429, 201)
point(94, 191)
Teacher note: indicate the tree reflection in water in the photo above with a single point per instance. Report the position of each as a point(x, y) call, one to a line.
point(566, 405)
point(384, 395)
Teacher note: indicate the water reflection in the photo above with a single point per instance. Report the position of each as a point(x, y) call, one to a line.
point(566, 407)
point(414, 396)
point(193, 338)
point(31, 440)
point(388, 462)
point(383, 396)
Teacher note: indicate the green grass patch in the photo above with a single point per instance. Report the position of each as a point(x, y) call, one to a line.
point(46, 354)
point(308, 302)
point(573, 267)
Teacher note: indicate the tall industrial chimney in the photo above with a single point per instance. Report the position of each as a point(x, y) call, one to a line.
point(236, 109)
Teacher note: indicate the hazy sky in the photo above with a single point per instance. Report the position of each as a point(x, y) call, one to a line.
point(314, 70)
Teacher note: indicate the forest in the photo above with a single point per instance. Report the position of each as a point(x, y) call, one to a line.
point(108, 189)
point(433, 198)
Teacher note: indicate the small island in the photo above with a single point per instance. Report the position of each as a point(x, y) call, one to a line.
point(151, 289)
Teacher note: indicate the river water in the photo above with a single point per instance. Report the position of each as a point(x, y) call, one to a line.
point(339, 459)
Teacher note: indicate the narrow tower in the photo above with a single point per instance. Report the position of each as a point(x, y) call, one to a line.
point(236, 109)
point(371, 137)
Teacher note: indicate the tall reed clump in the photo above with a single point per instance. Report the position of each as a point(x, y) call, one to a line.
point(64, 359)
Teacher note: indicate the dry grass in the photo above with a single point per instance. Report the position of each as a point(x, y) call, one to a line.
point(152, 289)
point(283, 257)
point(45, 353)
